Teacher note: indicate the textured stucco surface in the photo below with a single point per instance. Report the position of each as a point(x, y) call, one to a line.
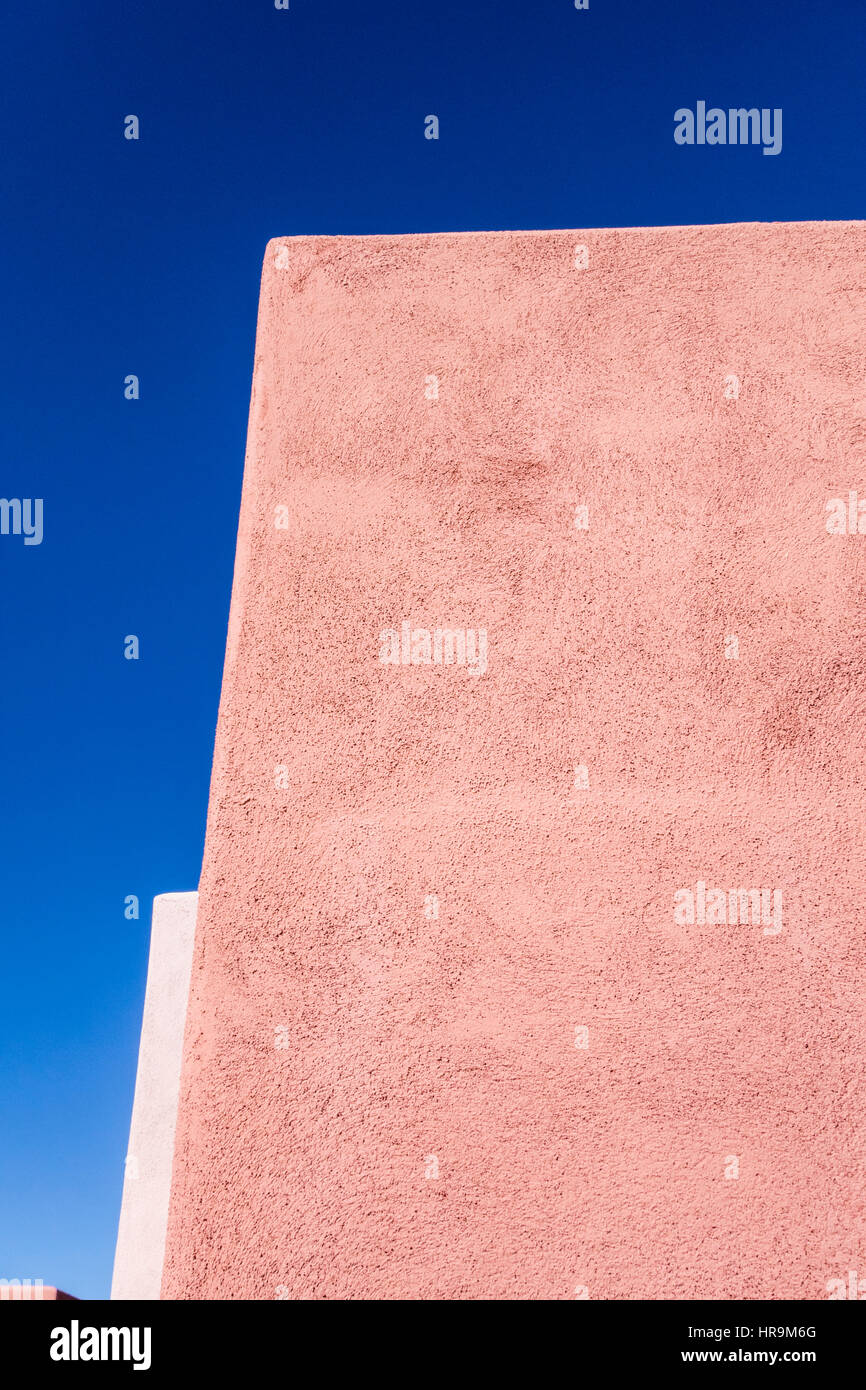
point(414, 1044)
point(140, 1250)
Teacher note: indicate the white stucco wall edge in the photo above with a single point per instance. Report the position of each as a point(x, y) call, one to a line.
point(140, 1248)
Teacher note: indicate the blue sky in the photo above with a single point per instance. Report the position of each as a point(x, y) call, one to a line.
point(144, 257)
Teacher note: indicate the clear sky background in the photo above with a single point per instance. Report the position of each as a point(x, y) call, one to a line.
point(144, 257)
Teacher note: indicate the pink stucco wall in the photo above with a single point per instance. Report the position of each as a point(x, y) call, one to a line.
point(446, 1037)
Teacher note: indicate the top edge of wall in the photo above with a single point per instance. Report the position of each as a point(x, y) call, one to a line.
point(560, 231)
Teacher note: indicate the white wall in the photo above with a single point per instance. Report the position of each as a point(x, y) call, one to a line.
point(147, 1182)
